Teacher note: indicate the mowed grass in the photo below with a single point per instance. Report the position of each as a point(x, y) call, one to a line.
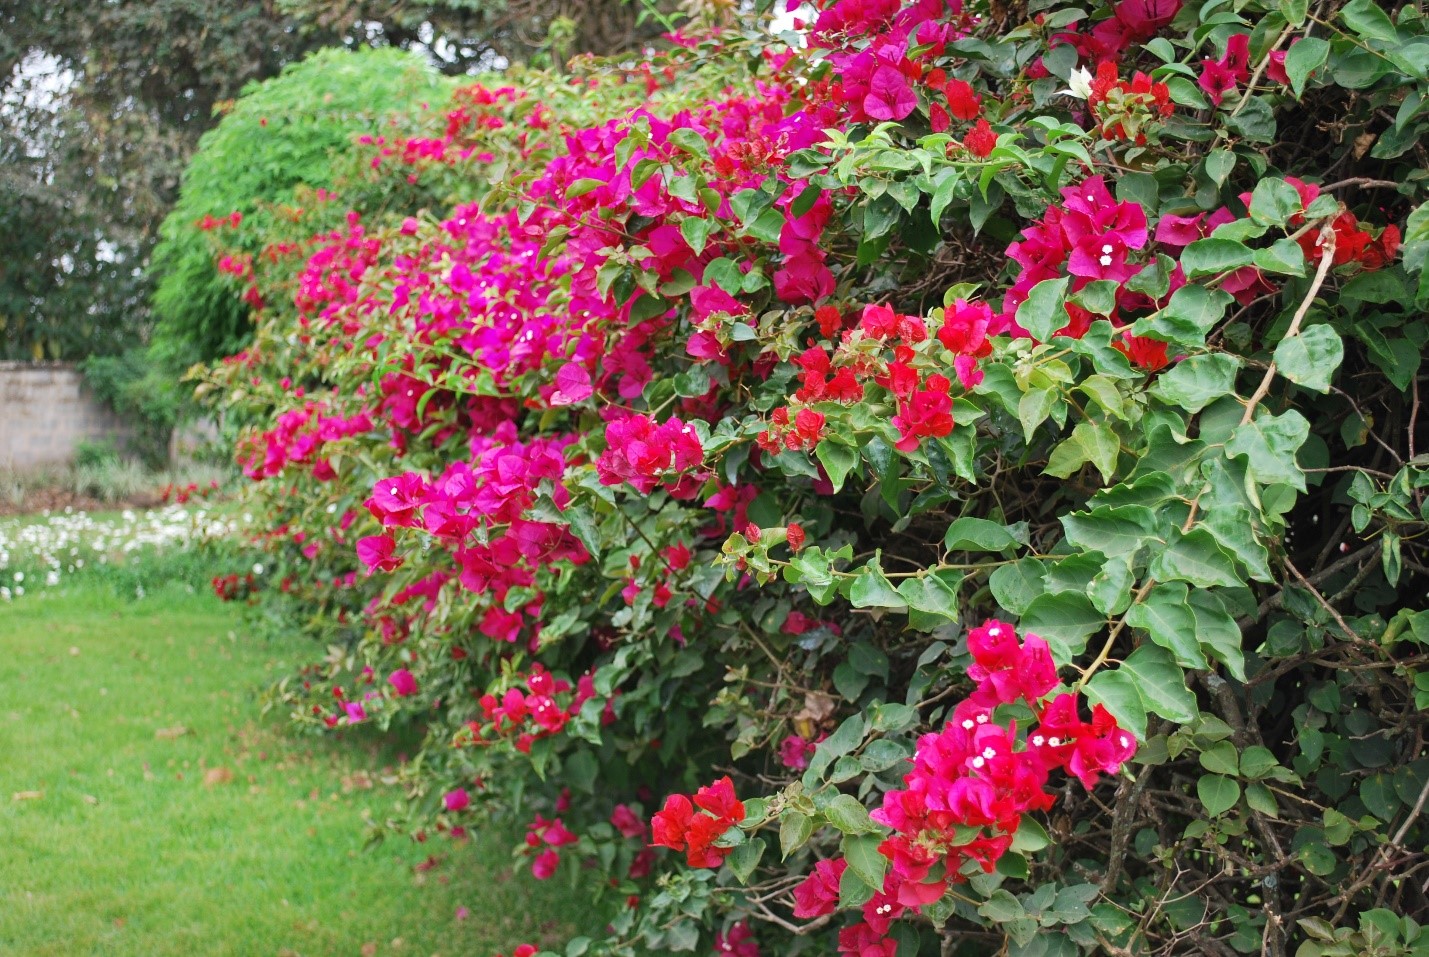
point(120, 836)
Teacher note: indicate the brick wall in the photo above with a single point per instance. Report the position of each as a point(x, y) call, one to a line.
point(45, 412)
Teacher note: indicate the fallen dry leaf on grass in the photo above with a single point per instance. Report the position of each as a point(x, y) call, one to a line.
point(28, 795)
point(168, 734)
point(216, 776)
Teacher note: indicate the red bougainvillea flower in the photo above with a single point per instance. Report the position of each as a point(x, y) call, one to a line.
point(980, 140)
point(680, 827)
point(963, 101)
point(927, 413)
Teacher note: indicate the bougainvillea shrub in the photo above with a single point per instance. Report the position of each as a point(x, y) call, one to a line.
point(939, 479)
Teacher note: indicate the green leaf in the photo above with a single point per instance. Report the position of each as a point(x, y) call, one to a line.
point(1304, 58)
point(745, 858)
point(1168, 619)
point(1195, 557)
point(1033, 409)
point(1113, 531)
point(1017, 584)
point(1161, 684)
point(838, 460)
point(970, 534)
point(794, 829)
point(1284, 256)
point(883, 754)
point(1001, 907)
point(768, 226)
point(1093, 442)
point(1117, 692)
point(1367, 19)
point(1294, 11)
point(1064, 620)
point(1110, 589)
point(846, 813)
point(690, 141)
point(934, 593)
point(1218, 793)
point(1257, 762)
point(861, 852)
point(1207, 257)
point(1044, 311)
point(1219, 164)
point(1260, 798)
point(1269, 444)
point(1197, 381)
point(1192, 312)
point(872, 589)
point(1221, 758)
point(1274, 201)
point(848, 736)
point(696, 232)
point(1218, 633)
point(1311, 358)
point(1100, 444)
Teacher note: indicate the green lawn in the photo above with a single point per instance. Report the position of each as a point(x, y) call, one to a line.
point(113, 843)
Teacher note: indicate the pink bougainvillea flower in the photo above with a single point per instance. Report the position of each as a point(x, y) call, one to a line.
point(376, 552)
point(627, 822)
point(738, 941)
point(543, 866)
point(456, 800)
point(1219, 77)
point(890, 97)
point(572, 385)
point(402, 682)
point(819, 893)
point(794, 752)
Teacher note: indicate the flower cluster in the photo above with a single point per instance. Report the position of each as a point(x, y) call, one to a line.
point(643, 453)
point(972, 782)
point(232, 587)
point(681, 827)
point(544, 839)
point(1125, 108)
point(525, 717)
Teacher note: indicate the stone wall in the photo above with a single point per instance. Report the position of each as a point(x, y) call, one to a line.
point(46, 410)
